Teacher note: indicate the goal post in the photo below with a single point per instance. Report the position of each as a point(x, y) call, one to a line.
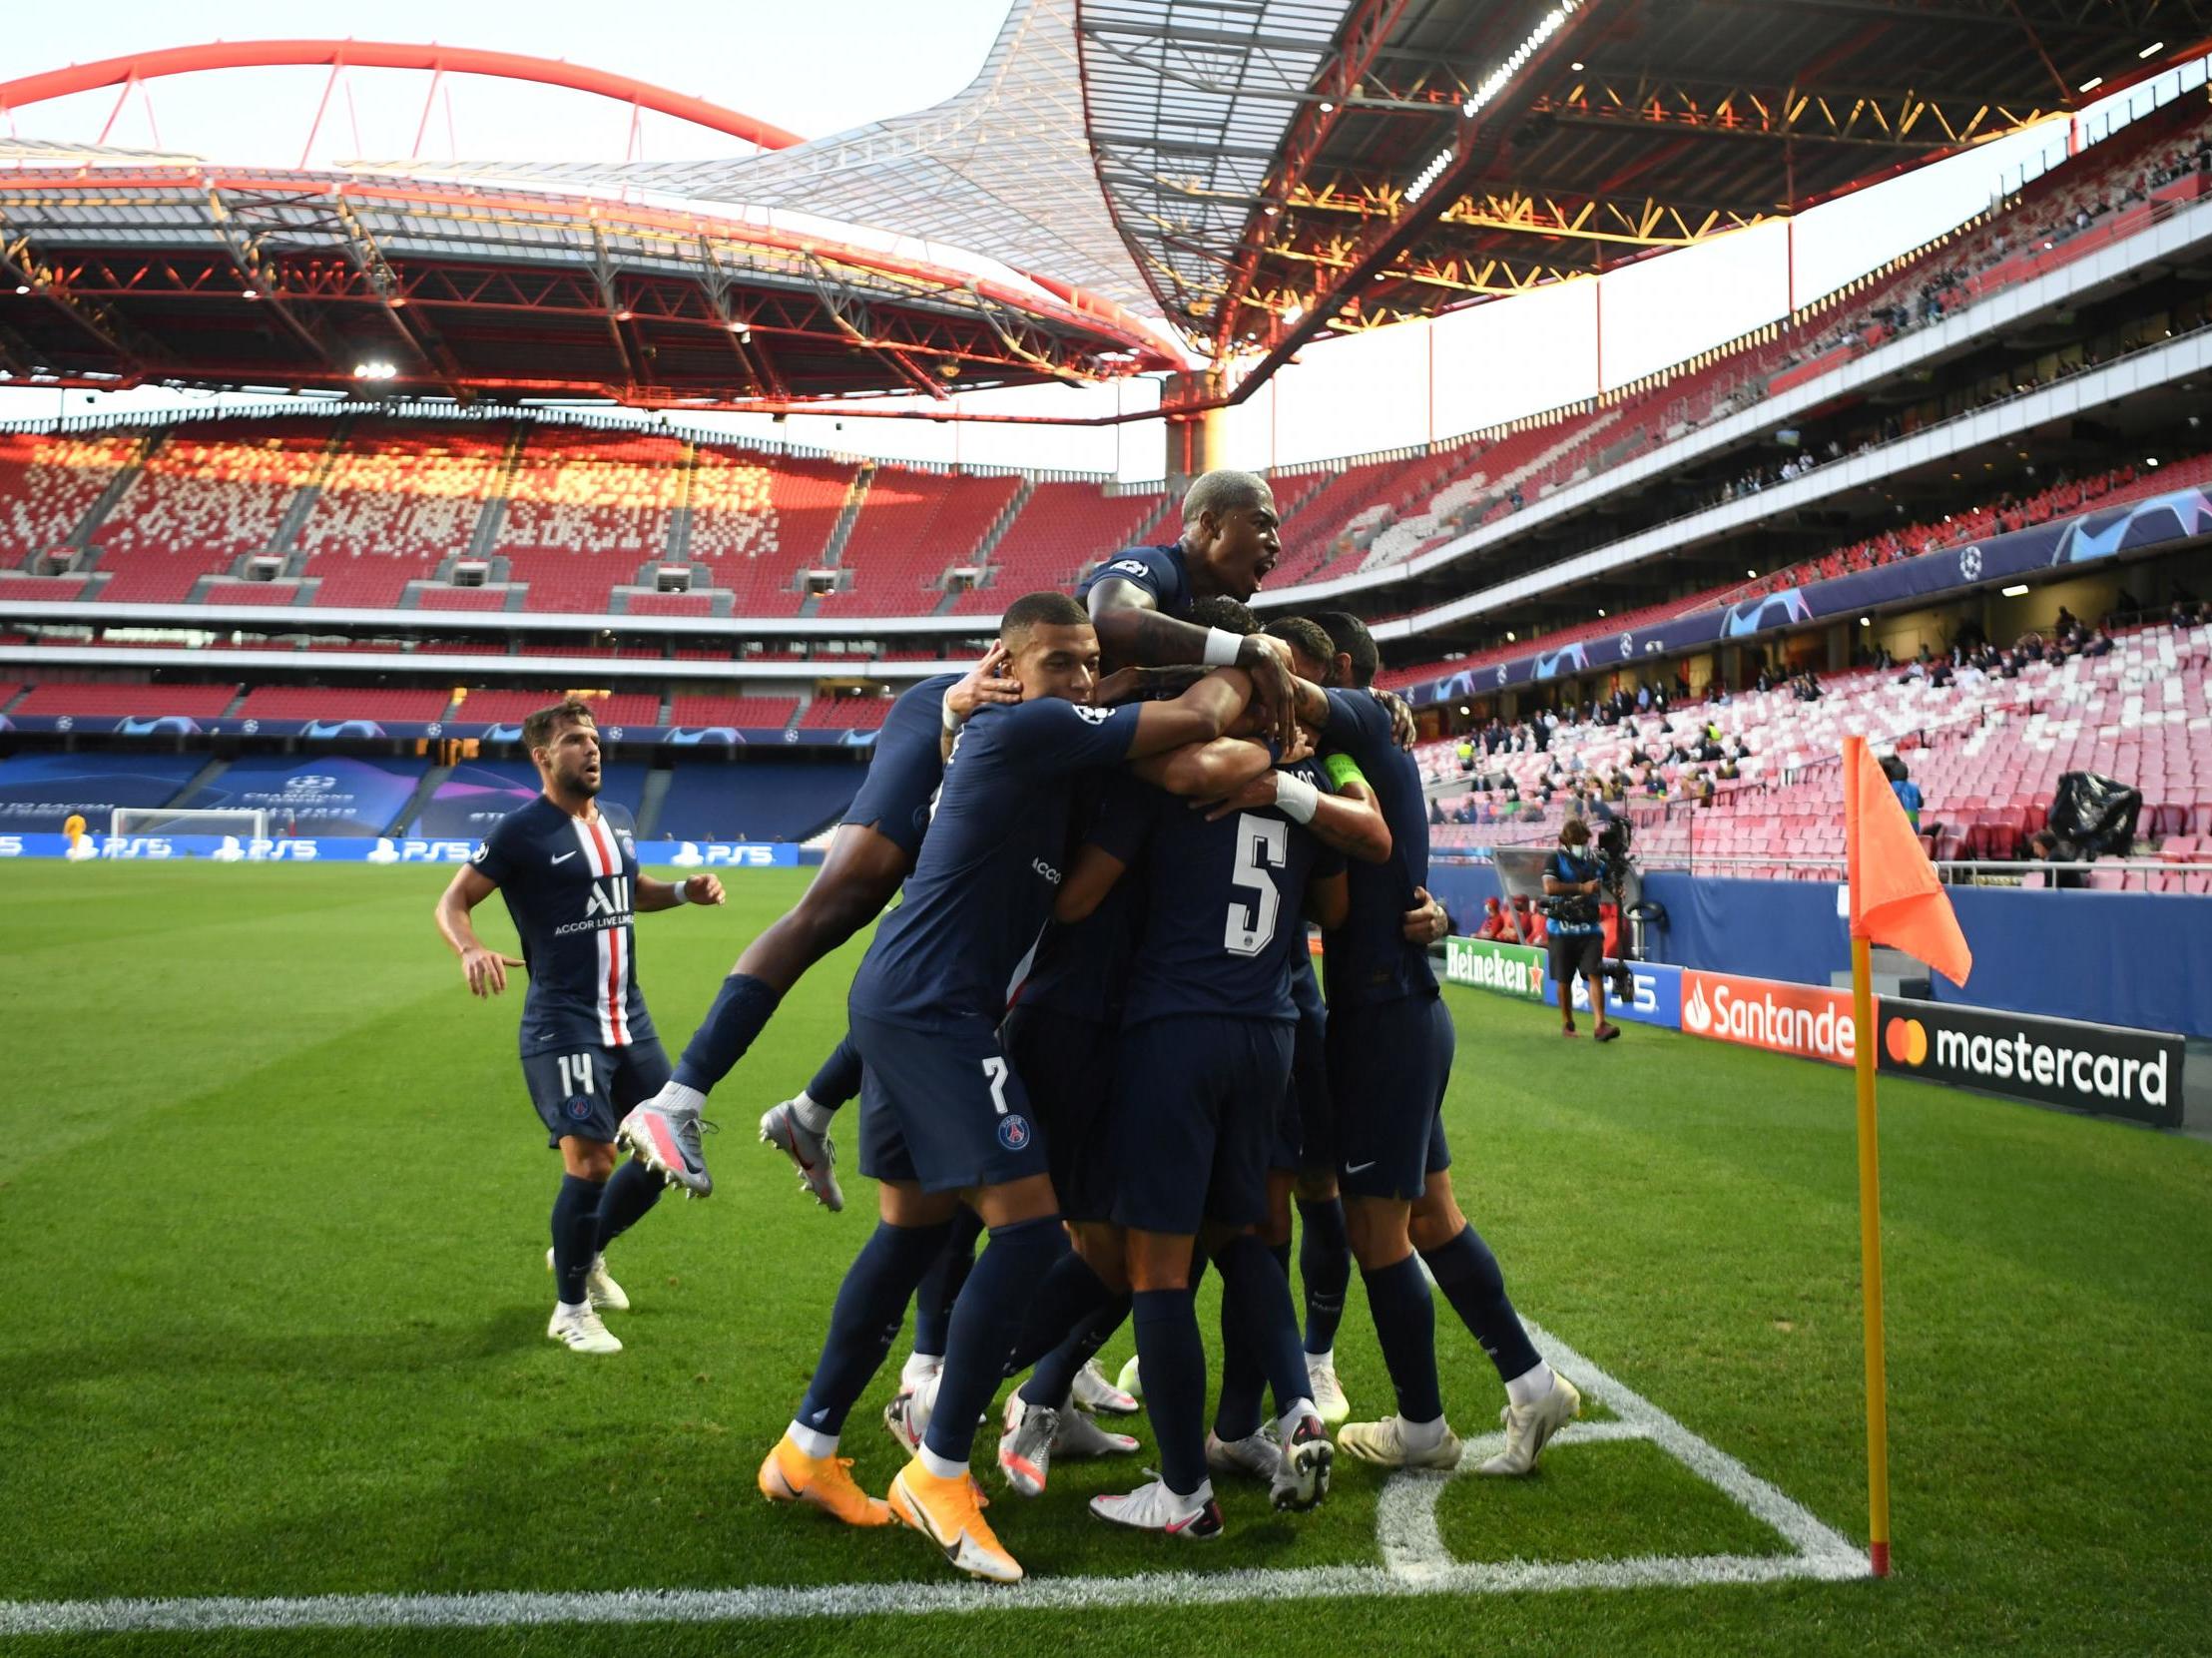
point(144, 820)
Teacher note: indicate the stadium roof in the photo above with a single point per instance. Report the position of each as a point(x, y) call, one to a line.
point(1257, 172)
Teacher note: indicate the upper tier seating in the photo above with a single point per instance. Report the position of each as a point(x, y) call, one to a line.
point(329, 702)
point(746, 713)
point(394, 503)
point(203, 500)
point(1061, 530)
point(47, 485)
point(625, 708)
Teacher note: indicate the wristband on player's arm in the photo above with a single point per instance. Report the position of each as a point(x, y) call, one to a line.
point(952, 721)
point(1294, 797)
point(682, 893)
point(1222, 648)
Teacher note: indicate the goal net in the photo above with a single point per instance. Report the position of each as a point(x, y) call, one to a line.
point(142, 819)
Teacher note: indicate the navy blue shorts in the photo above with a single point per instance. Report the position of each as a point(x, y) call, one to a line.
point(943, 1108)
point(1388, 1067)
point(903, 774)
point(1307, 1135)
point(1197, 1098)
point(1066, 1063)
point(586, 1092)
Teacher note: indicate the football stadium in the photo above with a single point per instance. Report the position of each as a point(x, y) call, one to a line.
point(1440, 771)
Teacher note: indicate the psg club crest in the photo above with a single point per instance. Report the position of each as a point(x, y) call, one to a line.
point(580, 1108)
point(1013, 1131)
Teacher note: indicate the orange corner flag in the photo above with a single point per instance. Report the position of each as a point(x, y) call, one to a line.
point(1894, 896)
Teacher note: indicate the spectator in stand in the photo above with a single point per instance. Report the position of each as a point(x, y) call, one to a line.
point(1906, 791)
point(2101, 644)
point(2043, 846)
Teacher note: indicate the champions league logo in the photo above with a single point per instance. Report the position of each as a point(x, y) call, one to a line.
point(1970, 565)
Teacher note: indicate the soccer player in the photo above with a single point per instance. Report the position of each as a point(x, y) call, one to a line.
point(1389, 1057)
point(569, 873)
point(1201, 1072)
point(946, 1118)
point(873, 852)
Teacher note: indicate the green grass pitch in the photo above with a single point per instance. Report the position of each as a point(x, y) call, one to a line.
point(273, 1216)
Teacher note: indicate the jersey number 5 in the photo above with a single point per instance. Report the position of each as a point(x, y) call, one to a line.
point(1262, 844)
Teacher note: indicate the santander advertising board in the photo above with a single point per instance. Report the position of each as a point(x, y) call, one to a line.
point(1808, 1020)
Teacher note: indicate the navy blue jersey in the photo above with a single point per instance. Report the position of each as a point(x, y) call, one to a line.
point(1160, 571)
point(905, 767)
point(1573, 869)
point(984, 884)
point(1082, 969)
point(571, 886)
point(1368, 959)
point(1223, 904)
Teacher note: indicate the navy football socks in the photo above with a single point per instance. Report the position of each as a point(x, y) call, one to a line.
point(1324, 1268)
point(1469, 1275)
point(985, 1322)
point(1405, 1325)
point(1256, 1291)
point(742, 1007)
point(1243, 1381)
point(1054, 1378)
point(624, 1200)
point(1062, 1304)
point(840, 1077)
point(1173, 1359)
point(872, 1303)
point(575, 1235)
point(940, 1285)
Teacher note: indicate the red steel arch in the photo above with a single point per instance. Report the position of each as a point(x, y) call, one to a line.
point(376, 53)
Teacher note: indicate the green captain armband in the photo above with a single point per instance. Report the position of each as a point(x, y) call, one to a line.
point(1343, 768)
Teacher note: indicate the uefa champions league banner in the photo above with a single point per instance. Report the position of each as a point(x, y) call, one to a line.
point(373, 730)
point(682, 855)
point(333, 796)
point(2179, 515)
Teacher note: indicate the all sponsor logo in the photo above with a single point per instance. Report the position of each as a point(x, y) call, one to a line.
point(1509, 969)
point(2103, 1068)
point(1094, 716)
point(705, 854)
point(1808, 1020)
point(1129, 567)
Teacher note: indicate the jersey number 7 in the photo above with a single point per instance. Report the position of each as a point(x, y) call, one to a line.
point(1263, 844)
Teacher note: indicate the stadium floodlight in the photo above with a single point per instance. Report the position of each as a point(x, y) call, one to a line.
point(2092, 83)
point(2016, 590)
point(128, 821)
point(2153, 47)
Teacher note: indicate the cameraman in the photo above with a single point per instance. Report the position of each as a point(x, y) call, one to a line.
point(1572, 878)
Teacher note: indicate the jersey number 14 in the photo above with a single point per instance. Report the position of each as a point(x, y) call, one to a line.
point(1263, 844)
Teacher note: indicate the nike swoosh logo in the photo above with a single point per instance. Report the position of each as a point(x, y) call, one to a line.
point(560, 858)
point(1359, 1168)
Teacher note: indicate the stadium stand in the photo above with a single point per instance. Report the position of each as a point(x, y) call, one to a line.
point(1986, 751)
point(324, 702)
point(48, 483)
point(394, 504)
point(756, 521)
point(198, 504)
point(756, 800)
point(317, 795)
point(1061, 530)
point(913, 527)
point(197, 702)
point(503, 706)
point(477, 795)
point(863, 713)
point(744, 713)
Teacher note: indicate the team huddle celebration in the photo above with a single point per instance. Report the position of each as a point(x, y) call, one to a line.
point(1090, 1057)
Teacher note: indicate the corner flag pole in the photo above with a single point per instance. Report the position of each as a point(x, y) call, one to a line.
point(1869, 1183)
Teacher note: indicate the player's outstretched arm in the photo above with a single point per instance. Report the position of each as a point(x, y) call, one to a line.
point(655, 895)
point(485, 971)
point(1206, 770)
point(1088, 881)
point(1131, 629)
point(1203, 713)
point(1349, 821)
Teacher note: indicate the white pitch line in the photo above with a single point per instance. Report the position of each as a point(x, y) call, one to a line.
point(1416, 1566)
